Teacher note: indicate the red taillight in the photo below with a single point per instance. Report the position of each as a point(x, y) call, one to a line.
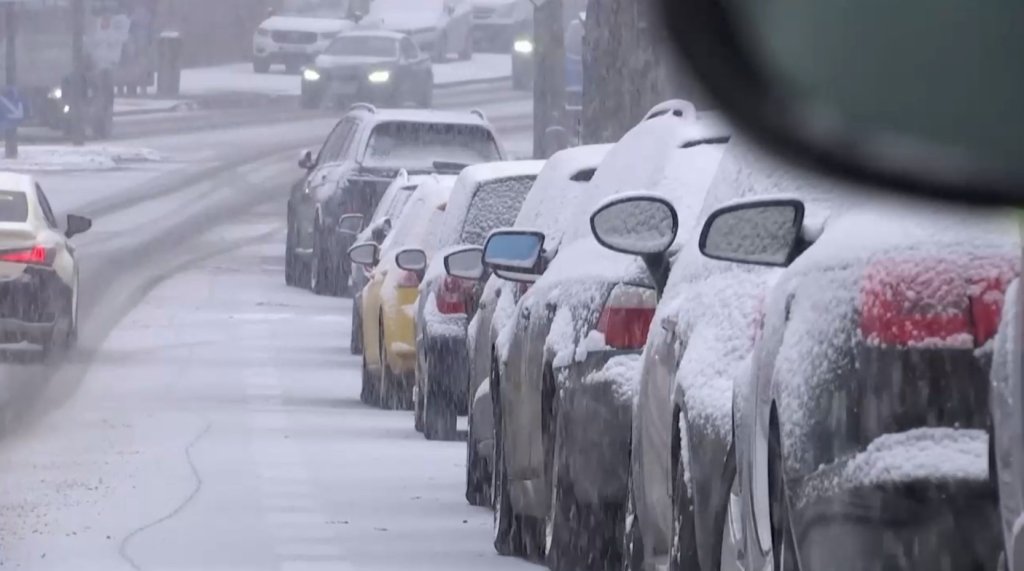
point(627, 315)
point(453, 295)
point(408, 280)
point(36, 256)
point(937, 303)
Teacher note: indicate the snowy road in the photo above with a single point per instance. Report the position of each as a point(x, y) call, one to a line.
point(220, 428)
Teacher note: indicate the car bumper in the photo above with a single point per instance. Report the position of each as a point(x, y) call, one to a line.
point(449, 355)
point(30, 304)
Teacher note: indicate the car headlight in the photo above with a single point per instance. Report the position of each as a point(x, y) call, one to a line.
point(311, 75)
point(380, 76)
point(56, 94)
point(523, 46)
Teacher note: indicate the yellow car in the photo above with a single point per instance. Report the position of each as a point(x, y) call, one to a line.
point(389, 298)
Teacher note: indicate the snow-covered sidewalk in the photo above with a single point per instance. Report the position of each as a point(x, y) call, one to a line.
point(51, 158)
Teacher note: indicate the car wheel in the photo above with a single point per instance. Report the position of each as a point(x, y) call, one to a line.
point(783, 546)
point(683, 552)
point(426, 96)
point(506, 524)
point(466, 53)
point(417, 408)
point(261, 65)
point(370, 382)
point(478, 475)
point(632, 537)
point(321, 271)
point(291, 269)
point(439, 418)
point(440, 52)
point(355, 341)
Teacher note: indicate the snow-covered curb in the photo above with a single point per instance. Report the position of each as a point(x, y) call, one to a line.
point(52, 158)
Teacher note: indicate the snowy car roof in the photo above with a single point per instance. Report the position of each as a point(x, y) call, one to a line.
point(384, 115)
point(372, 33)
point(420, 221)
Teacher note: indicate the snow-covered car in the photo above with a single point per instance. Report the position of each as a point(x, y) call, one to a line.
point(547, 207)
point(38, 267)
point(495, 22)
point(376, 66)
point(389, 299)
point(391, 206)
point(296, 37)
point(861, 435)
point(439, 27)
point(485, 197)
point(698, 345)
point(356, 164)
point(568, 355)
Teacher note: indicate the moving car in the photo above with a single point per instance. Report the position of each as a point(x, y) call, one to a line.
point(296, 37)
point(38, 267)
point(868, 399)
point(564, 432)
point(495, 22)
point(486, 197)
point(356, 164)
point(389, 299)
point(379, 67)
point(439, 27)
point(548, 206)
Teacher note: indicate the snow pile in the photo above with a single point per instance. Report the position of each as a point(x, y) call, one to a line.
point(53, 158)
point(622, 373)
point(437, 324)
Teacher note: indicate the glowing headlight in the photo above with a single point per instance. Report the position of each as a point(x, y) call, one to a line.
point(311, 75)
point(56, 94)
point(523, 46)
point(67, 109)
point(381, 76)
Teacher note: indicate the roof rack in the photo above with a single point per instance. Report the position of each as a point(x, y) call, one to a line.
point(478, 113)
point(363, 106)
point(677, 107)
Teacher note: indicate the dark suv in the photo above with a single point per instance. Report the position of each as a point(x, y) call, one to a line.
point(355, 165)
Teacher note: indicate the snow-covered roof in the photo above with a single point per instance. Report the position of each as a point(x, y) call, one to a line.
point(420, 221)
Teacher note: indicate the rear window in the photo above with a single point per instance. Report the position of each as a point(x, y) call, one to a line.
point(495, 205)
point(13, 206)
point(416, 146)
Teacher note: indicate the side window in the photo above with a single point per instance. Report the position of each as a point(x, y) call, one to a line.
point(350, 138)
point(44, 204)
point(409, 49)
point(335, 143)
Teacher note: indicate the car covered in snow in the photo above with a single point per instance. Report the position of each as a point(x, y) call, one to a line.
point(562, 408)
point(861, 435)
point(485, 197)
point(439, 27)
point(356, 164)
point(298, 34)
point(376, 66)
point(550, 203)
point(391, 206)
point(389, 299)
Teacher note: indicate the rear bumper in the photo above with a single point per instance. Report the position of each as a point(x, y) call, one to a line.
point(448, 359)
point(30, 305)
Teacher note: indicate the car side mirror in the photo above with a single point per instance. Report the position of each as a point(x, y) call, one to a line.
point(763, 232)
point(640, 224)
point(77, 225)
point(466, 263)
point(351, 224)
point(412, 260)
point(515, 254)
point(306, 160)
point(365, 253)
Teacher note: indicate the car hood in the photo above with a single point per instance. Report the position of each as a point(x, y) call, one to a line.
point(335, 62)
point(303, 24)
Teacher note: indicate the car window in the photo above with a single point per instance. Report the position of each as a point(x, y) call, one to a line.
point(335, 144)
point(401, 199)
point(13, 206)
point(44, 204)
point(409, 49)
point(347, 142)
point(418, 145)
point(495, 205)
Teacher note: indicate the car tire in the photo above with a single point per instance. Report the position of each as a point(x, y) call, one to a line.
point(466, 53)
point(478, 473)
point(506, 524)
point(439, 415)
point(426, 96)
point(683, 553)
point(370, 383)
point(355, 340)
point(632, 537)
point(324, 274)
point(439, 54)
point(417, 409)
point(261, 65)
point(783, 546)
point(291, 261)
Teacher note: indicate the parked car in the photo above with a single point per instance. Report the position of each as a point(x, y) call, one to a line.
point(389, 299)
point(356, 164)
point(391, 206)
point(439, 27)
point(485, 197)
point(869, 393)
point(495, 22)
point(548, 206)
point(563, 441)
point(378, 67)
point(295, 39)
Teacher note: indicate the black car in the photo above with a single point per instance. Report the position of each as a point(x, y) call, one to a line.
point(358, 161)
point(377, 66)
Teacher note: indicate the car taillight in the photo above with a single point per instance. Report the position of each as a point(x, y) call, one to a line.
point(35, 256)
point(453, 295)
point(937, 303)
point(627, 315)
point(408, 280)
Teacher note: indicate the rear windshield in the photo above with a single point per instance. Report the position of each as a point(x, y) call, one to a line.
point(415, 146)
point(13, 206)
point(495, 205)
point(363, 46)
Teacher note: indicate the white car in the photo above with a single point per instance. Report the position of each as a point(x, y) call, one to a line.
point(294, 40)
point(439, 27)
point(38, 269)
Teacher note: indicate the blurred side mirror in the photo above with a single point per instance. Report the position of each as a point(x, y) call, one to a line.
point(412, 260)
point(365, 253)
point(764, 232)
point(514, 251)
point(351, 224)
point(466, 263)
point(638, 224)
point(77, 225)
point(306, 160)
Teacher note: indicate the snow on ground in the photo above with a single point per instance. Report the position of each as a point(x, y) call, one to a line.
point(240, 78)
point(146, 105)
point(220, 428)
point(69, 158)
